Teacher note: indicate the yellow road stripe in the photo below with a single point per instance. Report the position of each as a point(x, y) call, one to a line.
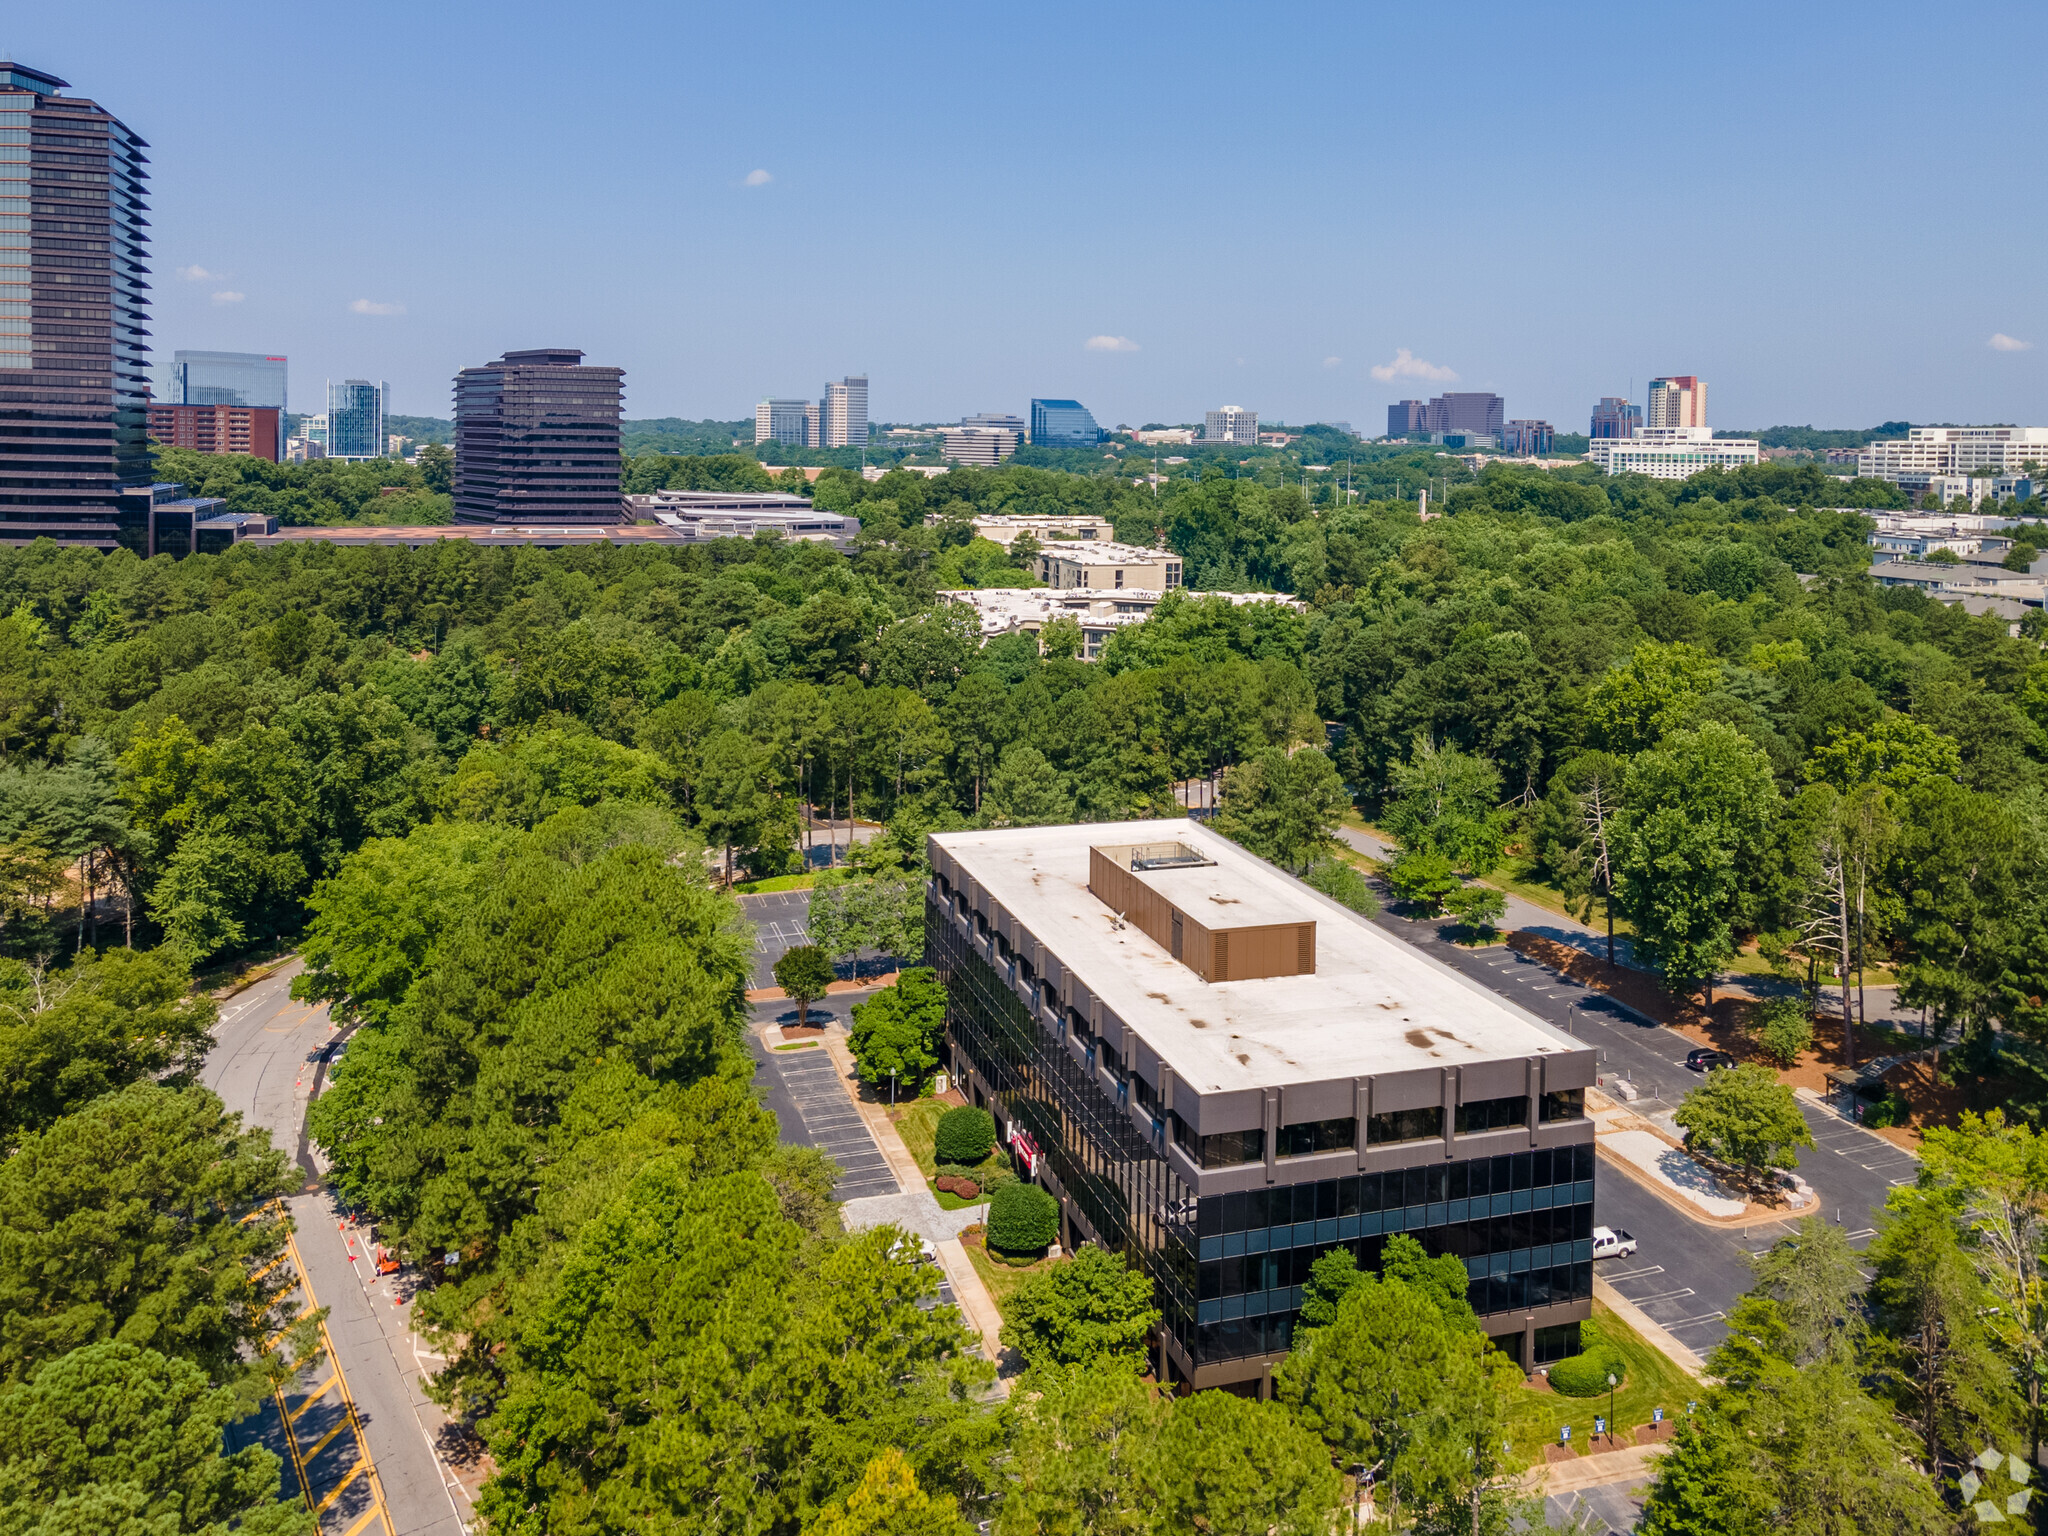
point(321, 1444)
point(334, 1493)
point(367, 1516)
point(310, 1401)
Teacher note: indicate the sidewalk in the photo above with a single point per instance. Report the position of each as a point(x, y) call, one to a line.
point(916, 1209)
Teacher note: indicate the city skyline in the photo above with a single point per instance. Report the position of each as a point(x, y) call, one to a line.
point(685, 252)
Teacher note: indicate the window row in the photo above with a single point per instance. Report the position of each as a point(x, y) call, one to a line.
point(1484, 1242)
point(1355, 1194)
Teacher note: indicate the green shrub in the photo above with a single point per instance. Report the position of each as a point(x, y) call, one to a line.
point(1586, 1375)
point(1341, 883)
point(1022, 1218)
point(965, 1136)
point(1784, 1029)
point(1892, 1109)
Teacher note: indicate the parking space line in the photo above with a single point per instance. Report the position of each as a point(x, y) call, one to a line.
point(1687, 1322)
point(1644, 1301)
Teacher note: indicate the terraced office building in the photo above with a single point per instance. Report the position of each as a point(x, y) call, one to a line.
point(74, 383)
point(1222, 1074)
point(537, 440)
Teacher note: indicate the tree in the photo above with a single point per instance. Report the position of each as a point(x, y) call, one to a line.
point(1637, 704)
point(1896, 751)
point(437, 468)
point(1027, 791)
point(1699, 807)
point(124, 1220)
point(1481, 907)
point(1332, 1277)
point(1702, 1486)
point(1938, 1361)
point(888, 1502)
point(1423, 877)
point(803, 973)
point(1237, 1468)
point(69, 1036)
point(116, 1438)
point(1586, 796)
point(1784, 1029)
point(1344, 885)
point(1083, 1454)
point(1284, 808)
point(895, 1037)
point(1441, 1279)
point(1745, 1118)
point(1092, 1309)
point(1445, 801)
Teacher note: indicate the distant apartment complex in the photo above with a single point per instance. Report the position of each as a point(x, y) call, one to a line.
point(1959, 462)
point(1527, 439)
point(1615, 417)
point(1671, 453)
point(1677, 402)
point(1107, 566)
point(1063, 424)
point(355, 419)
point(537, 438)
point(255, 430)
point(1232, 424)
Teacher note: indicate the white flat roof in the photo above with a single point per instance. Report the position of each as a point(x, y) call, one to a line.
point(1373, 1005)
point(1105, 552)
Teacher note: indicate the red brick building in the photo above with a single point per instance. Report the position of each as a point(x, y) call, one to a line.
point(251, 429)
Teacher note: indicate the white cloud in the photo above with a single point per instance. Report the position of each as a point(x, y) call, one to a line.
point(229, 296)
point(758, 178)
point(200, 275)
point(1406, 365)
point(2000, 342)
point(374, 307)
point(1331, 362)
point(1110, 344)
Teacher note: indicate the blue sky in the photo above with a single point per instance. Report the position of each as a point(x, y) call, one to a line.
point(1823, 210)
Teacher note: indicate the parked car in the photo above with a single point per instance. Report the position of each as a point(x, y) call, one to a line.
point(1610, 1244)
point(1704, 1060)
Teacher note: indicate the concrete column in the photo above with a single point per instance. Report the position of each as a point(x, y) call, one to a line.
point(1535, 1096)
point(1363, 1092)
point(1272, 1113)
point(1529, 1344)
point(1450, 1086)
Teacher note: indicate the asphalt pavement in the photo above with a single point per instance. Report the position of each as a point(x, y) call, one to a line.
point(814, 1108)
point(267, 1061)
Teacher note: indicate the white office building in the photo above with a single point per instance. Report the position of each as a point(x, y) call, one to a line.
point(1671, 453)
point(1915, 462)
point(986, 446)
point(781, 421)
point(844, 413)
point(1232, 424)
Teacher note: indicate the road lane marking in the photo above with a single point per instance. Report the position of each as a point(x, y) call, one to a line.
point(318, 1393)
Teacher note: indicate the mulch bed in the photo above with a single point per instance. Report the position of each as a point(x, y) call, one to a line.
point(1651, 1434)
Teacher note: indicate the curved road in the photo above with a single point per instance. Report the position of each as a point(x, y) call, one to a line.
point(267, 1062)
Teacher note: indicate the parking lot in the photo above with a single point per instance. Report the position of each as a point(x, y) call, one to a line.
point(815, 1108)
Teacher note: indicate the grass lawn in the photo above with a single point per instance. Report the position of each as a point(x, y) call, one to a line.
point(1651, 1382)
point(1517, 876)
point(1002, 1280)
point(776, 883)
point(797, 1045)
point(917, 1123)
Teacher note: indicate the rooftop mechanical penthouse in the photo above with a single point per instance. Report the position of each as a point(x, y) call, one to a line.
point(1223, 1074)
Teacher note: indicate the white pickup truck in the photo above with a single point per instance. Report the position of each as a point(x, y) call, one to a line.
point(1609, 1244)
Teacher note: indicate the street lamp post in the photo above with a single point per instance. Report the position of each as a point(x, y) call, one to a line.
point(1611, 1384)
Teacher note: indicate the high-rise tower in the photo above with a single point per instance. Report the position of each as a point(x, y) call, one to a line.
point(537, 437)
point(1677, 402)
point(74, 384)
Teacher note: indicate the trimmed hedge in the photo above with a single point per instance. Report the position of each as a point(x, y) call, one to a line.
point(1022, 1218)
point(1586, 1375)
point(964, 1135)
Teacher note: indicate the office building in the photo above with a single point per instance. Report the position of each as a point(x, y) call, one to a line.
point(1108, 566)
point(1027, 610)
point(1927, 454)
point(1615, 417)
point(74, 313)
point(1677, 402)
point(355, 419)
point(1005, 529)
point(1527, 439)
point(1405, 416)
point(156, 520)
point(995, 421)
point(1232, 424)
point(741, 515)
point(254, 430)
point(782, 421)
point(979, 445)
point(1465, 414)
point(843, 413)
point(537, 438)
point(1222, 1075)
point(1671, 453)
point(1063, 424)
point(254, 380)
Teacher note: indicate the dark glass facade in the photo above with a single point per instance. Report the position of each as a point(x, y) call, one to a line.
point(74, 383)
point(537, 440)
point(1063, 424)
point(1229, 1268)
